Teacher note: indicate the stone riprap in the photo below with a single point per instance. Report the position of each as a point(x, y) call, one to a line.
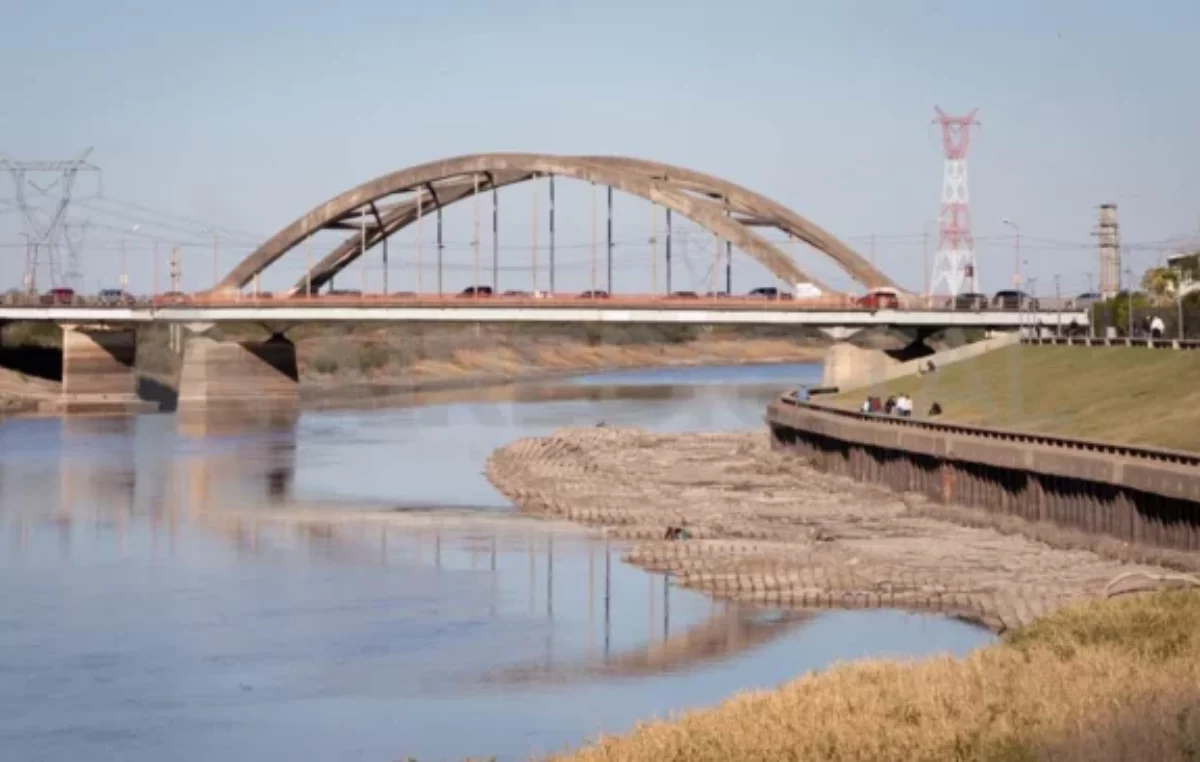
point(767, 528)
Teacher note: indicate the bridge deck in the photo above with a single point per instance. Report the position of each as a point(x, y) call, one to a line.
point(537, 310)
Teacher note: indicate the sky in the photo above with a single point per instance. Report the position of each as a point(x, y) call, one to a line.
point(244, 115)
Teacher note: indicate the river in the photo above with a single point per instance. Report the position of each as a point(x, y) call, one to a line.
point(349, 586)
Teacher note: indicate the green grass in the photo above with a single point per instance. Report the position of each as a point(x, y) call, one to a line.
point(1128, 395)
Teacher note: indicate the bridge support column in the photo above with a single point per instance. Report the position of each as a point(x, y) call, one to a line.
point(98, 372)
point(249, 379)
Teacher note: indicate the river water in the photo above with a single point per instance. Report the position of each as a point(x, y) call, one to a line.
point(349, 586)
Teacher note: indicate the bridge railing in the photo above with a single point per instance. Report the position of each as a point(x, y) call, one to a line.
point(1156, 454)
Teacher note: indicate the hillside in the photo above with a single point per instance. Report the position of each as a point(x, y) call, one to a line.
point(1131, 395)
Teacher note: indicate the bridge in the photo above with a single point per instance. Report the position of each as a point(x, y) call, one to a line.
point(99, 339)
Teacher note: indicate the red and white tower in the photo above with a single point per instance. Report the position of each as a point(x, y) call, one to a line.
point(954, 265)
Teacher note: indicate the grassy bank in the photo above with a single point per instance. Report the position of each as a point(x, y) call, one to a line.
point(1111, 680)
point(1136, 396)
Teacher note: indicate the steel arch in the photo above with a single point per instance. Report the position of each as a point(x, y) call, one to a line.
point(671, 187)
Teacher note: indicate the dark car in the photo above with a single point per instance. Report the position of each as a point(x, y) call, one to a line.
point(114, 296)
point(684, 295)
point(344, 292)
point(516, 293)
point(768, 292)
point(717, 294)
point(594, 294)
point(968, 301)
point(59, 296)
point(476, 291)
point(1014, 300)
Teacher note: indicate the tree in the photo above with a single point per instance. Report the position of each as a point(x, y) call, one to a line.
point(1161, 284)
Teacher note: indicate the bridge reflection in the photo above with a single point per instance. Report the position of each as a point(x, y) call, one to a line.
point(158, 485)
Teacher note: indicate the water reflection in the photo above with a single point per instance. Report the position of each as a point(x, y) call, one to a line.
point(348, 585)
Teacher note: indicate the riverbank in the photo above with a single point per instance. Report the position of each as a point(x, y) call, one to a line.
point(379, 365)
point(1076, 677)
point(1113, 680)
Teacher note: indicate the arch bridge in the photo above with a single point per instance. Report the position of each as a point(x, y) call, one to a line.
point(379, 208)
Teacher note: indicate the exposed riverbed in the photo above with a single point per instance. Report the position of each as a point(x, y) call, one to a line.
point(351, 586)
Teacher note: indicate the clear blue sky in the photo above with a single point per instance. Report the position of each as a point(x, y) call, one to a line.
point(245, 114)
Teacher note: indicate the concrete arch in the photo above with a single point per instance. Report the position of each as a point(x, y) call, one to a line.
point(765, 210)
point(444, 181)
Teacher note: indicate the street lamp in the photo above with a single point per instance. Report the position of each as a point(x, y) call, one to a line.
point(1129, 292)
point(925, 261)
point(124, 280)
point(1016, 251)
point(29, 273)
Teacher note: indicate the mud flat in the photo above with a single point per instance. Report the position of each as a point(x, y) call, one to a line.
point(766, 528)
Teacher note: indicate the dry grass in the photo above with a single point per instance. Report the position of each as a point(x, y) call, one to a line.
point(1137, 396)
point(1115, 680)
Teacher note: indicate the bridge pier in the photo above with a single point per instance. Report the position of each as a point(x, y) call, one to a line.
point(248, 379)
point(98, 374)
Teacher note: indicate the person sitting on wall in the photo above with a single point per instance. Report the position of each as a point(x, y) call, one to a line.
point(935, 409)
point(876, 404)
point(890, 405)
point(904, 406)
point(866, 406)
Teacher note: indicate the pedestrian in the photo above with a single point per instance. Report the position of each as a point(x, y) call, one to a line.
point(890, 405)
point(1157, 328)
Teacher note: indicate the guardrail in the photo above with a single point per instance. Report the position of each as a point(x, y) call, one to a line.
point(1160, 455)
point(1069, 341)
point(405, 299)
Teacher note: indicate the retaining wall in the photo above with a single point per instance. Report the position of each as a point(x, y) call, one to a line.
point(1130, 493)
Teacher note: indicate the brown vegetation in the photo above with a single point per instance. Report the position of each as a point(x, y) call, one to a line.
point(1114, 680)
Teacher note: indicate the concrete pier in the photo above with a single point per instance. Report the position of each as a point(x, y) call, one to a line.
point(98, 370)
point(248, 378)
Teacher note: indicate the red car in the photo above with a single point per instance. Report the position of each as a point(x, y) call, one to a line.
point(879, 299)
point(59, 296)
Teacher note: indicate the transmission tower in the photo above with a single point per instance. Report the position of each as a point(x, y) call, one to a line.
point(955, 262)
point(44, 215)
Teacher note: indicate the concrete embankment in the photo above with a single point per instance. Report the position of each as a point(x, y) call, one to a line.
point(1132, 498)
point(768, 528)
point(848, 367)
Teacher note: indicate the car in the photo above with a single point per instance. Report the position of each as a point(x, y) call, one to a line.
point(594, 294)
point(684, 295)
point(1014, 300)
point(768, 292)
point(968, 301)
point(262, 295)
point(511, 292)
point(114, 296)
point(343, 292)
point(476, 291)
point(879, 299)
point(1083, 301)
point(717, 294)
point(172, 297)
point(59, 296)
